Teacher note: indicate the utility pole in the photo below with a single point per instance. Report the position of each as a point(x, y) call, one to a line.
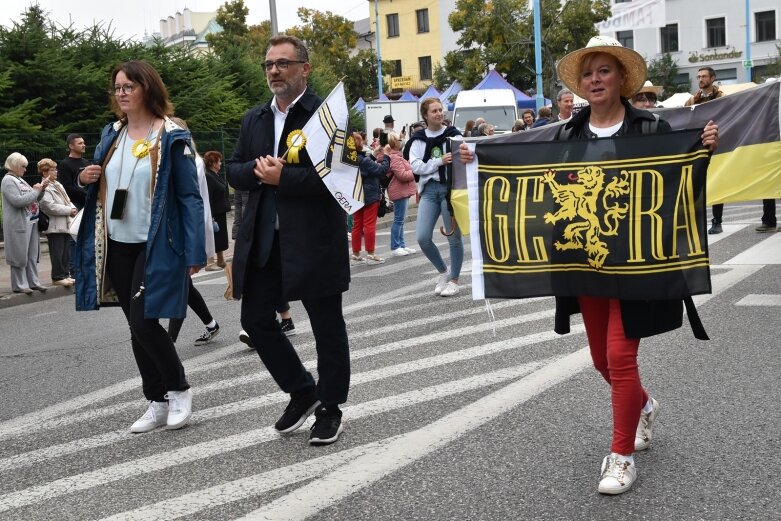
point(540, 97)
point(379, 56)
point(272, 7)
point(747, 62)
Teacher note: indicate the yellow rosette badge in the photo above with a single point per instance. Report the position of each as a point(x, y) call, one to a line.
point(140, 148)
point(296, 140)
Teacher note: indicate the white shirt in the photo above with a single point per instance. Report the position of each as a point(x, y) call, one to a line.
point(279, 119)
point(427, 170)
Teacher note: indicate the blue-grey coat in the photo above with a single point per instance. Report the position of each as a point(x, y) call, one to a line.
point(176, 233)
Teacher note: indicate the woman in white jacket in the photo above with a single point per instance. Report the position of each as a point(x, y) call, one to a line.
point(58, 207)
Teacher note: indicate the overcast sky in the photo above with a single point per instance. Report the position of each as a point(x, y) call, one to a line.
point(134, 18)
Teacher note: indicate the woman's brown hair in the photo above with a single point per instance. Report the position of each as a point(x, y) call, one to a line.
point(155, 93)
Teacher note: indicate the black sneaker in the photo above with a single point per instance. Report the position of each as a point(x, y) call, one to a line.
point(301, 405)
point(287, 326)
point(766, 228)
point(327, 426)
point(208, 334)
point(715, 229)
point(244, 337)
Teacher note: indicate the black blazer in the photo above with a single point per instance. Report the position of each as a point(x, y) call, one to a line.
point(312, 225)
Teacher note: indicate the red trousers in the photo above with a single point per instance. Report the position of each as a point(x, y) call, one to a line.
point(365, 224)
point(615, 357)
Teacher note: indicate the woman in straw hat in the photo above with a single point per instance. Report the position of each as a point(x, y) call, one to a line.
point(646, 97)
point(607, 74)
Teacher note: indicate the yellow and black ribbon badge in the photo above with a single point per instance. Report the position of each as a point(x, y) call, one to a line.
point(296, 140)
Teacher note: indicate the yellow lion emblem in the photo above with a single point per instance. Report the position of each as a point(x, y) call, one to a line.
point(579, 201)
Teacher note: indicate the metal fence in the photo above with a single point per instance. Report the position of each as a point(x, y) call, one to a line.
point(52, 145)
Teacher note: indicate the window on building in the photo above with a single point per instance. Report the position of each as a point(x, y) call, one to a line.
point(765, 23)
point(396, 68)
point(626, 38)
point(727, 76)
point(716, 30)
point(393, 24)
point(424, 63)
point(669, 38)
point(422, 16)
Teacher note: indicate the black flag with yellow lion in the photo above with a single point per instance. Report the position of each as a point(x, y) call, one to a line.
point(620, 217)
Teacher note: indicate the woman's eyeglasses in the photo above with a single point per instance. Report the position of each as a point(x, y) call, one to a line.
point(127, 88)
point(646, 97)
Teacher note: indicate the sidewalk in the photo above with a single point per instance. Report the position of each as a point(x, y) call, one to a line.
point(8, 298)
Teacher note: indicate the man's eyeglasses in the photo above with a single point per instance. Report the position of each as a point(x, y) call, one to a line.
point(127, 88)
point(646, 97)
point(282, 65)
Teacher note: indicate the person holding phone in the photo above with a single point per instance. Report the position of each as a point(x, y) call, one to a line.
point(58, 207)
point(142, 234)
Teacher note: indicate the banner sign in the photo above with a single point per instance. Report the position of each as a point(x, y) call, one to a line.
point(639, 14)
point(620, 217)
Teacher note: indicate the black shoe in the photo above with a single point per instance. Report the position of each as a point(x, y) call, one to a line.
point(208, 335)
point(715, 229)
point(244, 337)
point(301, 405)
point(287, 326)
point(327, 426)
point(766, 228)
point(39, 288)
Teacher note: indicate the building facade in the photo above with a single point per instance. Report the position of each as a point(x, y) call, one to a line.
point(712, 33)
point(187, 28)
point(415, 37)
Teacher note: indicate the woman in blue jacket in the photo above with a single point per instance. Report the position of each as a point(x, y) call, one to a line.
point(142, 234)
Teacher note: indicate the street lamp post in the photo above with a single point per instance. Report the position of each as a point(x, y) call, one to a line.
point(272, 7)
point(379, 56)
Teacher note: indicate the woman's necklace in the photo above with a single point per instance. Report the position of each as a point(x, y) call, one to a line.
point(140, 147)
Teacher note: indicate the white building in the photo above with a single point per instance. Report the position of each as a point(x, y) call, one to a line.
point(187, 28)
point(712, 33)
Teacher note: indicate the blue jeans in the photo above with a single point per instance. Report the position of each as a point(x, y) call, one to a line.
point(397, 228)
point(433, 204)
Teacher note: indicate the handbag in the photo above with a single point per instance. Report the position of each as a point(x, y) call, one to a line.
point(385, 205)
point(73, 227)
point(43, 222)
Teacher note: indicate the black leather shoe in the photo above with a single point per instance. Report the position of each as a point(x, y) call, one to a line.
point(297, 411)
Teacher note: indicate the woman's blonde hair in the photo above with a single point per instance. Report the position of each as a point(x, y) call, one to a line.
point(46, 164)
point(15, 161)
point(394, 140)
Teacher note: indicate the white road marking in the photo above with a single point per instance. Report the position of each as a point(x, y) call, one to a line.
point(729, 229)
point(759, 300)
point(404, 450)
point(767, 251)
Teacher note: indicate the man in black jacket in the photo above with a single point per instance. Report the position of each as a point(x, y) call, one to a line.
point(291, 245)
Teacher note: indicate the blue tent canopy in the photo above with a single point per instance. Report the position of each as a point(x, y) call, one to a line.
point(360, 105)
point(494, 80)
point(452, 90)
point(408, 96)
point(431, 92)
point(382, 98)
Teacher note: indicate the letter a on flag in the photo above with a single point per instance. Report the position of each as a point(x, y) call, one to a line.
point(326, 136)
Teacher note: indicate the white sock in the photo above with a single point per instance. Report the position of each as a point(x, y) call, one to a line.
point(621, 458)
point(212, 323)
point(648, 407)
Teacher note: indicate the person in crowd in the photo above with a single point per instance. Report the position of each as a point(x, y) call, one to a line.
point(142, 234)
point(647, 96)
point(418, 125)
point(528, 119)
point(219, 205)
point(431, 160)
point(543, 117)
point(566, 101)
point(69, 168)
point(475, 132)
point(365, 219)
point(20, 224)
point(708, 91)
point(768, 216)
point(519, 125)
point(375, 138)
point(58, 207)
point(291, 246)
point(607, 74)
point(401, 187)
point(389, 122)
point(195, 300)
point(486, 129)
point(470, 124)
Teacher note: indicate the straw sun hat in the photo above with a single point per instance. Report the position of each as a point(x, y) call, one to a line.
point(569, 66)
point(650, 88)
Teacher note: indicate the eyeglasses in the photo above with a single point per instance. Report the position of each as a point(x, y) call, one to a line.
point(282, 65)
point(646, 97)
point(127, 88)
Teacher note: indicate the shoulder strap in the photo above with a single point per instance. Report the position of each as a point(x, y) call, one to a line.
point(650, 127)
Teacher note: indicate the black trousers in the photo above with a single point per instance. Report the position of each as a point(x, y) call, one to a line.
point(769, 212)
point(717, 210)
point(196, 303)
point(154, 351)
point(60, 254)
point(261, 297)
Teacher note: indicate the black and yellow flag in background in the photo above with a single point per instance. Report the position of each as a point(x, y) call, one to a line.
point(617, 217)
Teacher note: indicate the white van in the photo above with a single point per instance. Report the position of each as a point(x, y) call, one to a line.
point(495, 106)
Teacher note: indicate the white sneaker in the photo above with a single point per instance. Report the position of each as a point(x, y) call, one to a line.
point(617, 475)
point(400, 252)
point(441, 281)
point(244, 337)
point(645, 427)
point(450, 289)
point(155, 416)
point(180, 408)
point(411, 250)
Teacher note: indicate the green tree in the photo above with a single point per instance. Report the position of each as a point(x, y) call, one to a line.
point(500, 34)
point(232, 17)
point(664, 72)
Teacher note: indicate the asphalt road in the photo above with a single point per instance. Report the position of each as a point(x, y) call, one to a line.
point(450, 415)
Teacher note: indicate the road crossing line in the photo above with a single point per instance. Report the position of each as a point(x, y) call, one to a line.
point(767, 251)
point(223, 445)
